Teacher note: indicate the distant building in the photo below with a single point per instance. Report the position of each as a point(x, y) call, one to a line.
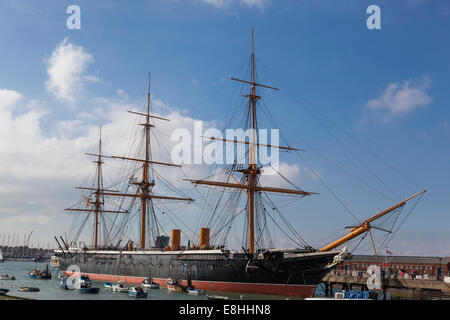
point(421, 265)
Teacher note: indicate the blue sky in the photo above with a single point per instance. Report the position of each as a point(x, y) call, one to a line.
point(387, 88)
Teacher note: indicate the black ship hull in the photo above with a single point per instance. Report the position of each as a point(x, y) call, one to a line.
point(272, 272)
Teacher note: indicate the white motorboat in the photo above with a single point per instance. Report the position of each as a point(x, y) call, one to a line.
point(149, 284)
point(120, 287)
point(195, 292)
point(137, 292)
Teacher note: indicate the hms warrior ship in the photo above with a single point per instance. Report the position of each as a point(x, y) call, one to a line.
point(204, 264)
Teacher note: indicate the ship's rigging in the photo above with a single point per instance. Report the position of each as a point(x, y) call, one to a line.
point(144, 187)
point(233, 193)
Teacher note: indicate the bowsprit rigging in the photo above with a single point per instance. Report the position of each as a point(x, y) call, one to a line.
point(235, 193)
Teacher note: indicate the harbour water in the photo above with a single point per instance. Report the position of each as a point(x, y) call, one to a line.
point(50, 290)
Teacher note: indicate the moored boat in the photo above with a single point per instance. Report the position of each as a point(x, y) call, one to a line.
point(38, 274)
point(85, 285)
point(34, 274)
point(137, 292)
point(119, 287)
point(108, 285)
point(54, 261)
point(89, 290)
point(216, 297)
point(3, 291)
point(7, 277)
point(195, 292)
point(64, 285)
point(28, 289)
point(85, 281)
point(173, 285)
point(149, 284)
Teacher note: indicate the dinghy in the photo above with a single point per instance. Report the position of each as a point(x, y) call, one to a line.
point(137, 292)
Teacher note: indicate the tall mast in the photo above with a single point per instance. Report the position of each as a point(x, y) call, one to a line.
point(97, 192)
point(145, 182)
point(252, 161)
point(252, 171)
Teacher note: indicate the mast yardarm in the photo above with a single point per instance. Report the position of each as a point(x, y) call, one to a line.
point(252, 170)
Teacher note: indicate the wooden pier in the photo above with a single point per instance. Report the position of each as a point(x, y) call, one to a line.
point(348, 280)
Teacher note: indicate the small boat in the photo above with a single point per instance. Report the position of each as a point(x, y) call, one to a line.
point(120, 287)
point(3, 292)
point(173, 285)
point(215, 297)
point(64, 285)
point(46, 274)
point(108, 285)
point(34, 274)
point(7, 277)
point(137, 292)
point(28, 289)
point(89, 290)
point(85, 282)
point(54, 261)
point(149, 284)
point(195, 292)
point(37, 274)
point(86, 285)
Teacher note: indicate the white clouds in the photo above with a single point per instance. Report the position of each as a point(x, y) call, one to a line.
point(66, 69)
point(8, 99)
point(292, 172)
point(402, 98)
point(46, 167)
point(27, 219)
point(26, 153)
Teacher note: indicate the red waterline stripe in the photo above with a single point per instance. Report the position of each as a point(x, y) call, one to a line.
point(303, 291)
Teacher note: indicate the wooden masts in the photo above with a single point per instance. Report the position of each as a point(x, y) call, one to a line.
point(144, 191)
point(252, 170)
point(97, 193)
point(145, 185)
point(97, 209)
point(365, 226)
